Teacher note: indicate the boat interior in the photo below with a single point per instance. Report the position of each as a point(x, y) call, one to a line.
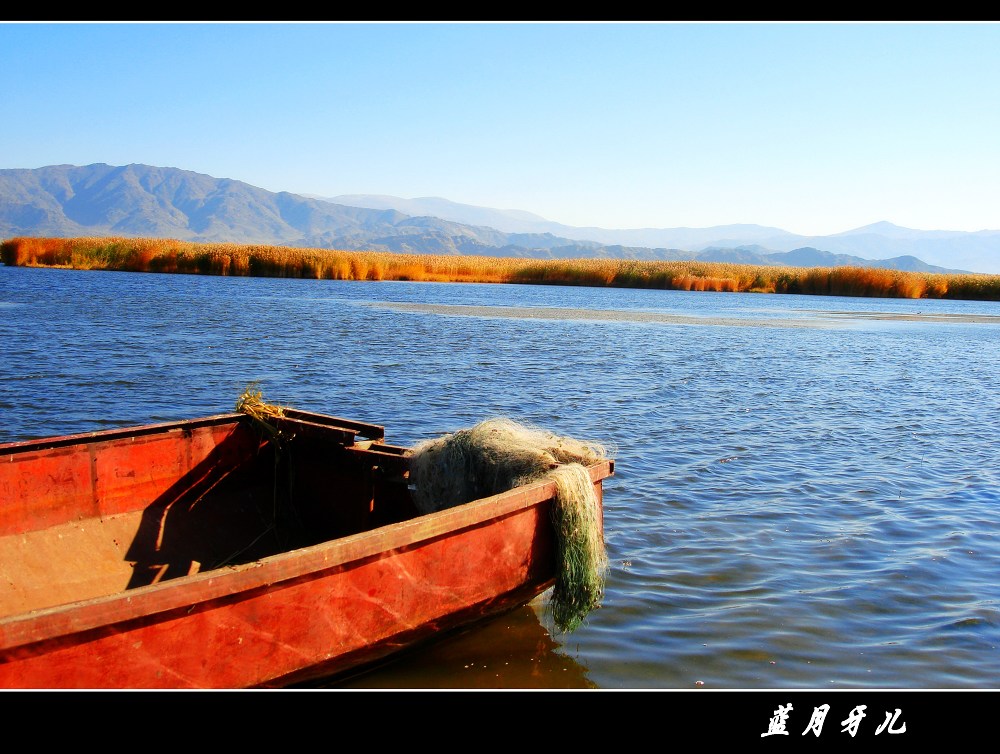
point(85, 516)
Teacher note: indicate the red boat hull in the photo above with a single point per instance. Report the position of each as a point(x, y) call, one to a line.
point(113, 551)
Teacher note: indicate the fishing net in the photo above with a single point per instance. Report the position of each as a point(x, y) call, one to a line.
point(499, 454)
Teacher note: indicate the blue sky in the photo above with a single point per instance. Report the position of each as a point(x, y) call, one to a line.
point(814, 128)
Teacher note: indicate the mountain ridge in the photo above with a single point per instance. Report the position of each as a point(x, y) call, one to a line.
point(142, 200)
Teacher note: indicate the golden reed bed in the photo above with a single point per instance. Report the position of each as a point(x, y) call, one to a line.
point(166, 255)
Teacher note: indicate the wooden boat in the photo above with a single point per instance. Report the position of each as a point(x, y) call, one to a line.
point(193, 554)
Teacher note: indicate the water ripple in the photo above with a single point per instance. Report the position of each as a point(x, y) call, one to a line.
point(808, 506)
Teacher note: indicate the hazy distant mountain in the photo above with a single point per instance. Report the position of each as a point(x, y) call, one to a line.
point(518, 221)
point(810, 257)
point(141, 200)
point(883, 241)
point(507, 220)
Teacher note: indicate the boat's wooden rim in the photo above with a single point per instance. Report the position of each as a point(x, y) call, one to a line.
point(374, 432)
point(190, 591)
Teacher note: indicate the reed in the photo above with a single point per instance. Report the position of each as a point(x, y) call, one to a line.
point(172, 256)
point(251, 402)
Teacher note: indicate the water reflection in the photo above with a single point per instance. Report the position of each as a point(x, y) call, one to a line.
point(513, 651)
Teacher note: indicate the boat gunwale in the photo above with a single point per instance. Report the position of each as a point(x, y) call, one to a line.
point(228, 581)
point(369, 431)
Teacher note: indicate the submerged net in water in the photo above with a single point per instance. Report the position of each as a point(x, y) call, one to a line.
point(499, 454)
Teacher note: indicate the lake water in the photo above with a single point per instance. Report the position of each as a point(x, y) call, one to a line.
point(807, 489)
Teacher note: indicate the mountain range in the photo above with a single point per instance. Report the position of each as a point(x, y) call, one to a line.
point(68, 201)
